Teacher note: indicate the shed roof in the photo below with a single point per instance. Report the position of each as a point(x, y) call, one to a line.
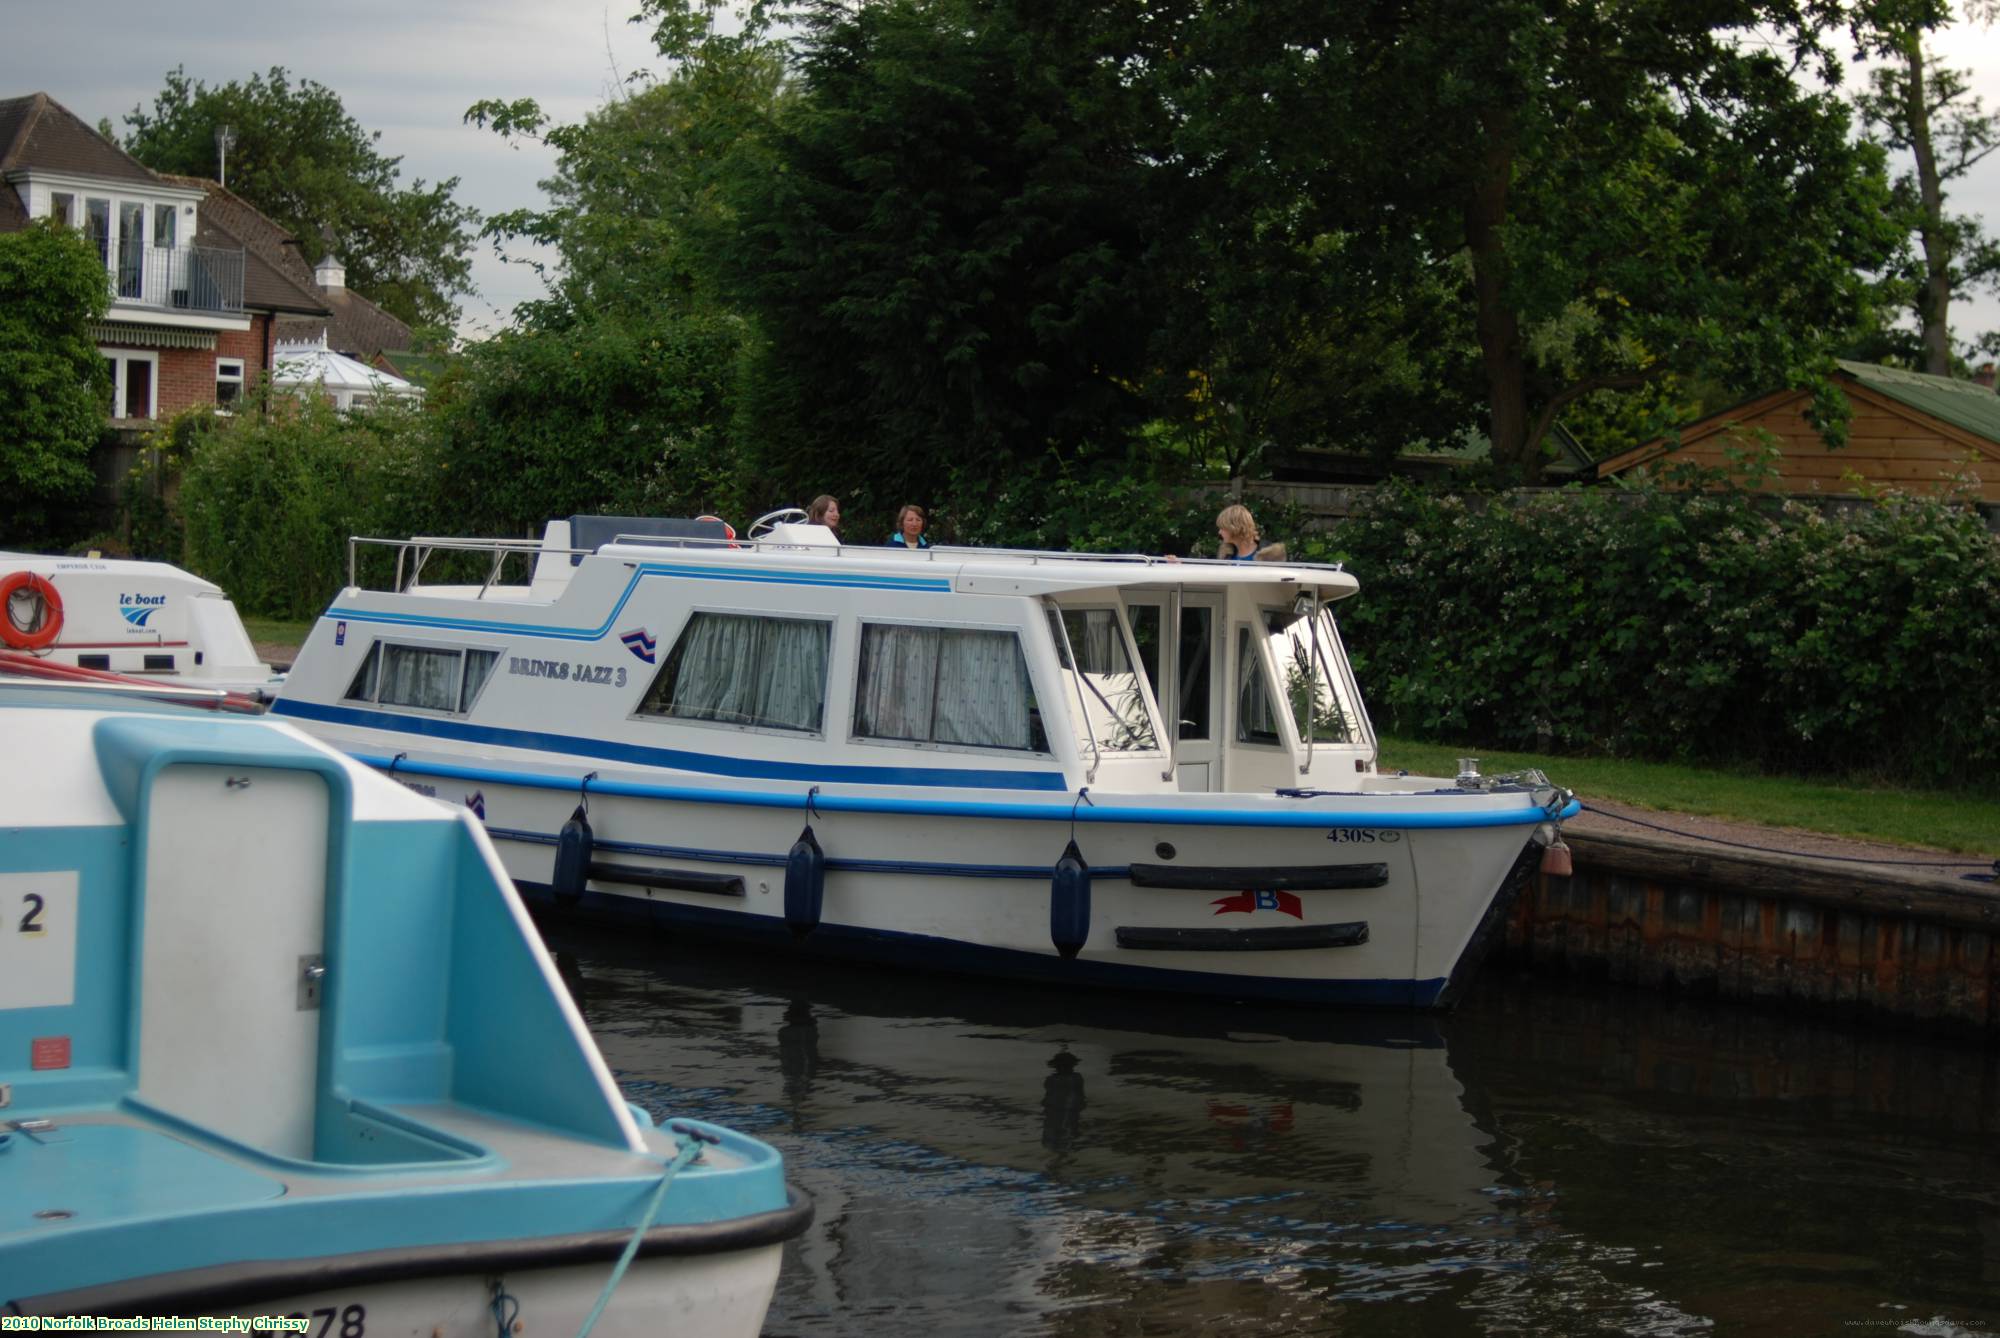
point(1963, 404)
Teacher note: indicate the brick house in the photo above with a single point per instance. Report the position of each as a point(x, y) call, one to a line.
point(194, 314)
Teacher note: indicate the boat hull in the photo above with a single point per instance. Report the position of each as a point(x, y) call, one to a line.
point(1310, 909)
point(724, 1295)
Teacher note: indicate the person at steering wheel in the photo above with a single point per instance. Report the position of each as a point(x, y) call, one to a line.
point(825, 510)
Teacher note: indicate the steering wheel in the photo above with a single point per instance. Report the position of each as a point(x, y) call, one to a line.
point(770, 520)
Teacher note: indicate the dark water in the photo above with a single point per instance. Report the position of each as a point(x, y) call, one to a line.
point(999, 1160)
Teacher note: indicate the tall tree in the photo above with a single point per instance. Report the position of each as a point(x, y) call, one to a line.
point(53, 392)
point(943, 244)
point(1920, 107)
point(301, 159)
point(1632, 189)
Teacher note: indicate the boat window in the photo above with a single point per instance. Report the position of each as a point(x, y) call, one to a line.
point(1105, 678)
point(1302, 649)
point(362, 689)
point(767, 673)
point(956, 685)
point(430, 678)
point(478, 668)
point(1256, 720)
point(1196, 623)
point(420, 676)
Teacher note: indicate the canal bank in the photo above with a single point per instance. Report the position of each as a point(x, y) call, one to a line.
point(1745, 913)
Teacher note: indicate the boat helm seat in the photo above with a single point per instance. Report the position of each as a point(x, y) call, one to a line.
point(592, 533)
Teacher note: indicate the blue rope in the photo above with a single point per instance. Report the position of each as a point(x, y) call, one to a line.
point(688, 1152)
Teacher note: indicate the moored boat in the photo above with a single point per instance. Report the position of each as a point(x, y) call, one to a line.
point(98, 615)
point(278, 1038)
point(953, 759)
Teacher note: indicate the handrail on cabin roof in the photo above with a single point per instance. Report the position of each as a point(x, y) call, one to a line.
point(423, 544)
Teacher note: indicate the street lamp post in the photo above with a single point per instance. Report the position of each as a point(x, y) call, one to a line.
point(224, 137)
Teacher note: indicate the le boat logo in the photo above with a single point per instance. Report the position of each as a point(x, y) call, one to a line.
point(136, 609)
point(640, 643)
point(1265, 900)
point(476, 801)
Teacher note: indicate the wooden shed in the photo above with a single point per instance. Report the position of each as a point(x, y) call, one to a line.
point(1910, 431)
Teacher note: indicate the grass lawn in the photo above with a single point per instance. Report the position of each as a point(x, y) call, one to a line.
point(1937, 819)
point(278, 632)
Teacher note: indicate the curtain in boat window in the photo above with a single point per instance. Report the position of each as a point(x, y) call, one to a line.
point(766, 672)
point(478, 668)
point(946, 685)
point(419, 676)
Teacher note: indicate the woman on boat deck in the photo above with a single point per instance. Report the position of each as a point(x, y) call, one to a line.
point(824, 511)
point(1238, 531)
point(909, 529)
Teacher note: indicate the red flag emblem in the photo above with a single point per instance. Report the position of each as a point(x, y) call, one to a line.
point(1261, 901)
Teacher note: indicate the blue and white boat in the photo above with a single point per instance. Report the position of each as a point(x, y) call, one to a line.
point(277, 1037)
point(953, 759)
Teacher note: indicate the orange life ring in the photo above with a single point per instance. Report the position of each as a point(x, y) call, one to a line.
point(44, 626)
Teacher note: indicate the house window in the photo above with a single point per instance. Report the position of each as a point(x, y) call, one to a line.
point(1104, 677)
point(62, 207)
point(131, 247)
point(166, 222)
point(429, 678)
point(97, 225)
point(134, 382)
point(956, 685)
point(766, 673)
point(228, 382)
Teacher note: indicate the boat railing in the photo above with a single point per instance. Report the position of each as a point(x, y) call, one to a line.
point(413, 553)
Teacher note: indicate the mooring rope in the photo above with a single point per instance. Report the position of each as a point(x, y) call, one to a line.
point(1779, 850)
point(689, 1150)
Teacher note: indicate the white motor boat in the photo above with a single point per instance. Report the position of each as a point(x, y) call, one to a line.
point(75, 617)
point(954, 759)
point(277, 1038)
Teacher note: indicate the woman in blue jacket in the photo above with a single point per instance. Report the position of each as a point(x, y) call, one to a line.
point(909, 529)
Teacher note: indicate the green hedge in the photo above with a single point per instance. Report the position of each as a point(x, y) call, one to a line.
point(268, 499)
point(1653, 623)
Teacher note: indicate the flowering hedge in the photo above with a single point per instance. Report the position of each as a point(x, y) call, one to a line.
point(1715, 628)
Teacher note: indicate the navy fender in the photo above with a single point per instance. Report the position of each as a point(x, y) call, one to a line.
point(1069, 902)
point(572, 869)
point(805, 883)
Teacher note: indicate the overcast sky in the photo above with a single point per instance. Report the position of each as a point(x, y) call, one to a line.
point(410, 68)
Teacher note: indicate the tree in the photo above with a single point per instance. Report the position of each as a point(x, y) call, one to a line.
point(942, 244)
point(1626, 191)
point(1926, 110)
point(312, 169)
point(53, 389)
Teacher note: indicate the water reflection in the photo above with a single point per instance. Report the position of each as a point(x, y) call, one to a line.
point(998, 1160)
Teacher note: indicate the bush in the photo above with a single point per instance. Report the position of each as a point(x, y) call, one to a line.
point(270, 499)
point(1703, 627)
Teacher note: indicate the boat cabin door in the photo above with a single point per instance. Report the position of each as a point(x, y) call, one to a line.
point(1185, 682)
point(234, 927)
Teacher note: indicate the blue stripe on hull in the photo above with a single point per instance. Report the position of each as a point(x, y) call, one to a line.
point(961, 808)
point(950, 956)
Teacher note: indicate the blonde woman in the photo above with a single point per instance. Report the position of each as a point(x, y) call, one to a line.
point(1237, 529)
